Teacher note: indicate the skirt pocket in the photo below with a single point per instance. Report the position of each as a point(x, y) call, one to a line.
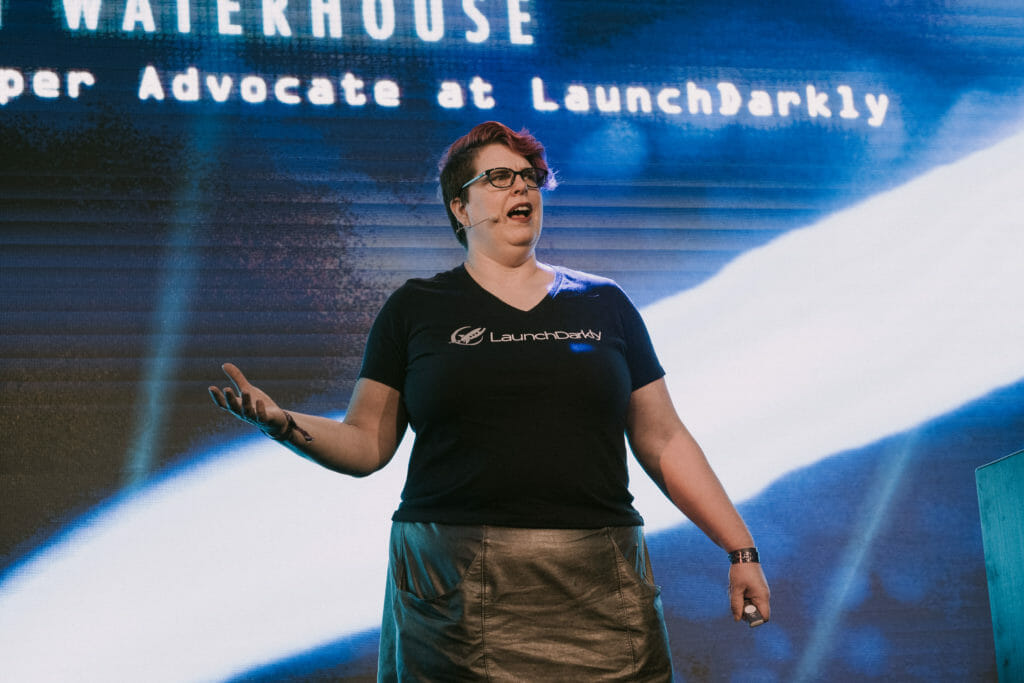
point(431, 629)
point(431, 560)
point(632, 558)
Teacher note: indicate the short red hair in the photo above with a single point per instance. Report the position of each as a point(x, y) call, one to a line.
point(457, 163)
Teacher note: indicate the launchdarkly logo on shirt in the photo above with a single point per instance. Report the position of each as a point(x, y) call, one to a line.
point(468, 335)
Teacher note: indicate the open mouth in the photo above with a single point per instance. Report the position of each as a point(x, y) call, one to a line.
point(520, 211)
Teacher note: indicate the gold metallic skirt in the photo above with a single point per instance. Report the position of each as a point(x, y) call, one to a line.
point(486, 603)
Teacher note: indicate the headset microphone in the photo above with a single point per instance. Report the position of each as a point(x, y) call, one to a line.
point(493, 219)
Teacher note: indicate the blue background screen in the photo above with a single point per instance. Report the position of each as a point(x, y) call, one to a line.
point(816, 207)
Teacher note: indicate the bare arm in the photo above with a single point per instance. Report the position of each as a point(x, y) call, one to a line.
point(676, 463)
point(362, 444)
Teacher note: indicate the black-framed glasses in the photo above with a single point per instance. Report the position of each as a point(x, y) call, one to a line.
point(503, 178)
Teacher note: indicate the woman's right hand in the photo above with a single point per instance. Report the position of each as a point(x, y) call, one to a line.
point(363, 443)
point(246, 402)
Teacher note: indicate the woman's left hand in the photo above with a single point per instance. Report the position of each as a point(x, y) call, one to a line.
point(746, 581)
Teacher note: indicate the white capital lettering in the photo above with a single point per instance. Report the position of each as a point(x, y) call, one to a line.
point(379, 28)
point(184, 17)
point(225, 8)
point(149, 85)
point(516, 18)
point(483, 28)
point(429, 20)
point(540, 101)
point(274, 21)
point(77, 10)
point(731, 100)
point(329, 9)
point(135, 12)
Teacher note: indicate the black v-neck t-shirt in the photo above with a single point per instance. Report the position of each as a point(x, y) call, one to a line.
point(519, 415)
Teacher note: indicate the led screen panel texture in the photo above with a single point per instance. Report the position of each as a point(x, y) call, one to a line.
point(815, 206)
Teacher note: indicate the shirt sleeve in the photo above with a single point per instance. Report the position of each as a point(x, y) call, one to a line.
point(384, 359)
point(641, 358)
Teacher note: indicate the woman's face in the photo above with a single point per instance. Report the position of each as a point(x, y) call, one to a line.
point(502, 221)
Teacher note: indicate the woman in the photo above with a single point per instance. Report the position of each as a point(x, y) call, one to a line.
point(516, 553)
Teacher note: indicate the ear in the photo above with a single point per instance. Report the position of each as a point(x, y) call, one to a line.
point(458, 208)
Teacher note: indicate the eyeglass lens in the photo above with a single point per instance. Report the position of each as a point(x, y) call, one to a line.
point(505, 177)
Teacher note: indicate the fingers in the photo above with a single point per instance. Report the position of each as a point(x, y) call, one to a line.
point(746, 581)
point(241, 406)
point(217, 397)
point(237, 403)
point(763, 606)
point(243, 400)
point(248, 411)
point(230, 401)
point(226, 398)
point(260, 410)
point(231, 398)
point(736, 601)
point(760, 600)
point(232, 371)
